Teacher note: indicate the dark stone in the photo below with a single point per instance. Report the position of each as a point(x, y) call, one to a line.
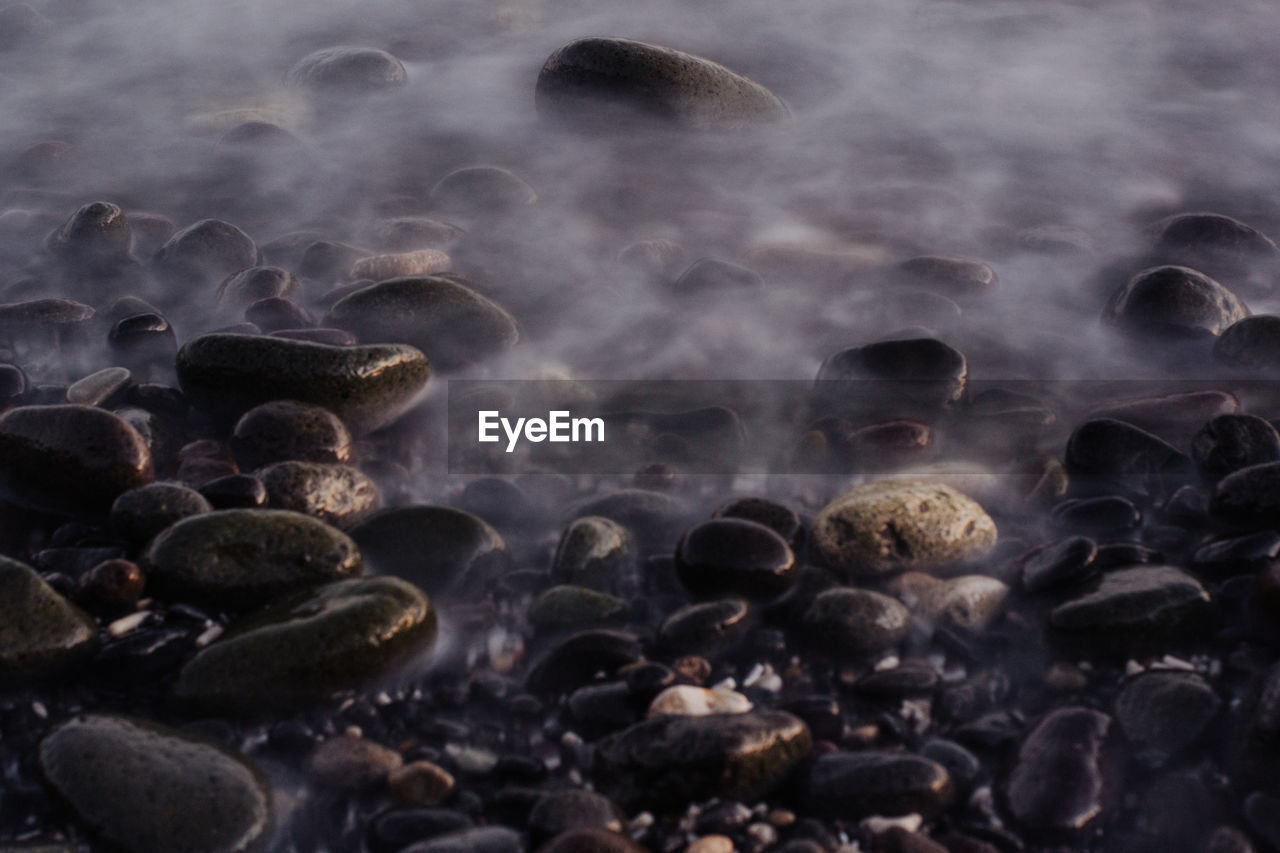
point(821, 713)
point(1221, 246)
point(561, 811)
point(151, 789)
point(1106, 516)
point(575, 660)
point(243, 557)
point(732, 556)
point(304, 647)
point(1174, 302)
point(348, 70)
point(242, 289)
point(598, 709)
point(40, 631)
point(845, 622)
point(592, 840)
point(97, 233)
point(1251, 343)
point(668, 761)
point(140, 340)
point(963, 766)
point(112, 584)
point(1236, 556)
point(908, 679)
point(336, 494)
point(226, 375)
point(654, 519)
point(438, 548)
point(707, 628)
point(1135, 610)
point(595, 82)
point(1162, 713)
point(481, 839)
point(1249, 497)
point(953, 277)
point(781, 519)
point(142, 513)
point(1058, 564)
point(275, 313)
point(283, 430)
point(393, 830)
point(328, 337)
point(70, 458)
point(1106, 454)
point(1228, 443)
point(916, 375)
point(1068, 773)
point(453, 324)
point(568, 607)
point(854, 785)
point(329, 261)
point(207, 251)
point(235, 491)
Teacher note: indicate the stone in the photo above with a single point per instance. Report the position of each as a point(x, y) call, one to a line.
point(112, 585)
point(1068, 773)
point(1252, 343)
point(845, 622)
point(449, 321)
point(668, 761)
point(241, 289)
point(395, 829)
point(705, 628)
point(1228, 443)
point(731, 556)
point(348, 70)
point(140, 514)
point(1174, 301)
point(207, 251)
point(479, 190)
point(352, 763)
point(1163, 713)
point(854, 785)
point(282, 430)
point(244, 557)
point(420, 783)
point(152, 789)
point(575, 660)
point(235, 491)
point(70, 458)
point(408, 233)
point(690, 701)
point(892, 525)
point(561, 811)
point(968, 603)
point(948, 276)
point(97, 233)
point(592, 840)
point(1245, 498)
point(654, 519)
point(593, 82)
point(716, 276)
point(367, 387)
point(1106, 455)
point(779, 518)
point(1058, 564)
point(99, 387)
point(40, 631)
point(567, 607)
point(440, 549)
point(914, 376)
point(481, 839)
point(382, 267)
point(1219, 245)
point(340, 495)
point(304, 647)
point(1130, 611)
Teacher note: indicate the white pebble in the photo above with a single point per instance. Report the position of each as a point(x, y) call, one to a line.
point(878, 824)
point(209, 634)
point(689, 701)
point(125, 624)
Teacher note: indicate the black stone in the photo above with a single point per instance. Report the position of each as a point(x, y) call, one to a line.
point(734, 557)
point(1228, 443)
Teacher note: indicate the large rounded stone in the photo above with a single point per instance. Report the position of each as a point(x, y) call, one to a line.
point(1174, 301)
point(436, 547)
point(206, 251)
point(151, 789)
point(892, 525)
point(96, 233)
point(733, 556)
point(284, 429)
point(70, 458)
point(876, 782)
point(1162, 713)
point(1134, 611)
point(1230, 442)
point(142, 513)
point(340, 495)
point(40, 631)
point(668, 761)
point(306, 646)
point(367, 387)
point(244, 557)
point(845, 622)
point(348, 69)
point(453, 324)
point(594, 81)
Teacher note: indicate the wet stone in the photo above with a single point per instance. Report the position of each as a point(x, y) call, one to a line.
point(691, 701)
point(891, 525)
point(1134, 610)
point(713, 275)
point(876, 782)
point(277, 312)
point(779, 518)
point(53, 313)
point(667, 761)
point(561, 811)
point(922, 374)
point(1238, 555)
point(70, 458)
point(969, 603)
point(1107, 454)
point(327, 260)
point(845, 622)
point(40, 631)
point(97, 233)
point(450, 322)
point(207, 251)
point(575, 660)
point(438, 548)
point(242, 289)
point(352, 763)
point(367, 387)
point(348, 70)
point(112, 584)
point(286, 430)
point(408, 233)
point(243, 557)
point(1249, 497)
point(654, 519)
point(953, 277)
point(383, 267)
point(151, 789)
point(1174, 301)
point(1106, 516)
point(140, 514)
point(99, 388)
point(1228, 443)
point(1058, 564)
point(911, 678)
point(567, 607)
point(595, 81)
point(306, 646)
point(336, 494)
point(140, 340)
point(734, 557)
point(1067, 774)
point(706, 628)
point(1162, 713)
point(235, 491)
point(1253, 342)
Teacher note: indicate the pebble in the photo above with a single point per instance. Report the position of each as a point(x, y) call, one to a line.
point(349, 70)
point(152, 789)
point(367, 387)
point(669, 760)
point(707, 628)
point(595, 552)
point(438, 548)
point(382, 267)
point(235, 491)
point(306, 646)
point(452, 323)
point(576, 659)
point(100, 387)
point(923, 374)
point(245, 557)
point(207, 251)
point(948, 276)
point(1062, 563)
point(891, 525)
point(241, 289)
point(97, 233)
point(277, 313)
point(654, 519)
point(70, 458)
point(968, 603)
point(593, 82)
point(1245, 498)
point(420, 783)
point(1130, 610)
point(854, 785)
point(395, 829)
point(1221, 246)
point(1163, 713)
point(781, 519)
point(1106, 454)
point(481, 839)
point(731, 556)
point(283, 430)
point(716, 276)
point(1174, 301)
point(408, 233)
point(352, 763)
point(40, 631)
point(479, 190)
point(1228, 443)
point(568, 607)
point(854, 623)
point(594, 840)
point(561, 811)
point(112, 584)
point(340, 495)
point(1251, 343)
point(691, 701)
point(1068, 773)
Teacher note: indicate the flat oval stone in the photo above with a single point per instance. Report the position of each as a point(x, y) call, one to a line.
point(1061, 563)
point(142, 513)
point(731, 556)
point(1131, 610)
point(1228, 443)
point(100, 387)
point(704, 628)
point(1253, 342)
point(892, 525)
point(284, 429)
point(340, 495)
point(670, 760)
point(242, 289)
point(348, 69)
point(953, 277)
point(40, 631)
point(52, 313)
point(561, 811)
point(845, 622)
point(438, 548)
point(304, 647)
point(453, 324)
point(276, 313)
point(1163, 713)
point(567, 606)
point(654, 519)
point(1249, 497)
point(97, 232)
point(367, 387)
point(595, 552)
point(876, 782)
point(594, 81)
point(383, 267)
point(208, 250)
point(244, 557)
point(1068, 772)
point(576, 659)
point(1174, 301)
point(70, 458)
point(779, 518)
point(152, 789)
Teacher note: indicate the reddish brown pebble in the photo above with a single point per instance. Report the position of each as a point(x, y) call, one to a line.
point(352, 763)
point(420, 783)
point(113, 583)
